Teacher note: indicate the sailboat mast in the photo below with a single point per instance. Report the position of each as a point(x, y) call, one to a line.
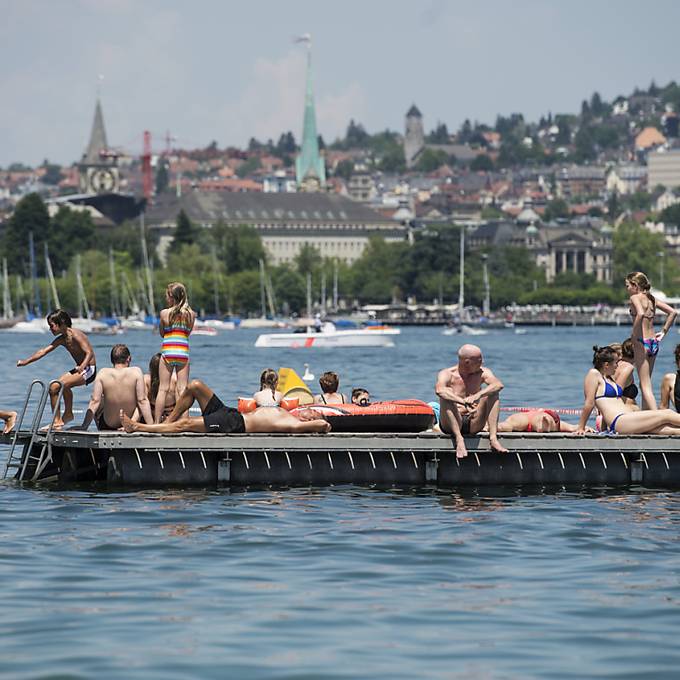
point(309, 295)
point(147, 268)
point(50, 278)
point(7, 311)
point(263, 306)
point(461, 284)
point(34, 276)
point(114, 290)
point(335, 285)
point(323, 292)
point(216, 295)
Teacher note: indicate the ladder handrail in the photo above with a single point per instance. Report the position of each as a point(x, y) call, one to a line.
point(36, 420)
point(47, 444)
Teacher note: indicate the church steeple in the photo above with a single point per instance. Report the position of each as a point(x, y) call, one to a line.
point(98, 166)
point(310, 170)
point(92, 155)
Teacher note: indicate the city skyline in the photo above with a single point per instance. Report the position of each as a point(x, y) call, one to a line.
point(228, 72)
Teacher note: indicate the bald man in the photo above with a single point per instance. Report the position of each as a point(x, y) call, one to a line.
point(468, 399)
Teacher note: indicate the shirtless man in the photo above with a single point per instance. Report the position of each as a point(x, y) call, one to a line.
point(79, 347)
point(121, 389)
point(468, 398)
point(218, 418)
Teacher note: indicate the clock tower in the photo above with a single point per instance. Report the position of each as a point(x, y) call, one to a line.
point(98, 167)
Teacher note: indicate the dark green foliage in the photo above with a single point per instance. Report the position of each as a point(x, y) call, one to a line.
point(307, 260)
point(72, 232)
point(248, 167)
point(440, 135)
point(482, 162)
point(52, 173)
point(635, 249)
point(431, 159)
point(185, 232)
point(29, 215)
point(671, 215)
point(344, 169)
point(555, 209)
point(239, 248)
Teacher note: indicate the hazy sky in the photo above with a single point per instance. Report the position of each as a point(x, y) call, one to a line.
point(222, 70)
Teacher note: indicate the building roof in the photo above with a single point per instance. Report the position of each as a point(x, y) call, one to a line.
point(208, 207)
point(97, 144)
point(649, 137)
point(413, 112)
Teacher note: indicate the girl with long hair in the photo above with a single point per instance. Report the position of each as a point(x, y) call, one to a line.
point(603, 393)
point(643, 306)
point(268, 394)
point(152, 383)
point(175, 326)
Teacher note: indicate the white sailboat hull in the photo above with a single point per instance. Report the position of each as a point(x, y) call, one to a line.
point(349, 338)
point(38, 325)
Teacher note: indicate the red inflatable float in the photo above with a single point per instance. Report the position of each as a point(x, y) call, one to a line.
point(402, 415)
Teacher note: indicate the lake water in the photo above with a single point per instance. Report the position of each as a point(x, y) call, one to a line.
point(342, 582)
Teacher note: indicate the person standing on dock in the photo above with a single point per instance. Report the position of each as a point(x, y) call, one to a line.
point(10, 418)
point(468, 398)
point(643, 307)
point(175, 325)
point(118, 389)
point(78, 346)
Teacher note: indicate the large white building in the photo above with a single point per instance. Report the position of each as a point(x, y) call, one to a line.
point(664, 169)
point(336, 226)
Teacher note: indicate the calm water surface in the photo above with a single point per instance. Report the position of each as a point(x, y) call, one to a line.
point(342, 582)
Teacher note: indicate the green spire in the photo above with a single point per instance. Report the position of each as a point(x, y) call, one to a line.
point(309, 166)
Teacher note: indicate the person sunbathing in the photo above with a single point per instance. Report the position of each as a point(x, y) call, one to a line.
point(535, 420)
point(217, 418)
point(603, 393)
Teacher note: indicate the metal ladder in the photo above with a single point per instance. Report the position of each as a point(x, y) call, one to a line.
point(45, 456)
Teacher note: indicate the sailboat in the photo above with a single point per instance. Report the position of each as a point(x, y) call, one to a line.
point(265, 293)
point(216, 322)
point(34, 321)
point(8, 318)
point(84, 321)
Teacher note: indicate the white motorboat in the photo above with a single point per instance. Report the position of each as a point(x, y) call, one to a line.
point(36, 325)
point(329, 336)
point(203, 329)
point(218, 324)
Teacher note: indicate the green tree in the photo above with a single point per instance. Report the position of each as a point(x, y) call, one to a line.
point(431, 159)
point(557, 208)
point(635, 249)
point(344, 169)
point(440, 135)
point(238, 247)
point(671, 215)
point(376, 272)
point(30, 215)
point(185, 232)
point(162, 176)
point(393, 160)
point(290, 289)
point(585, 144)
point(52, 173)
point(481, 163)
point(308, 260)
point(72, 232)
point(248, 167)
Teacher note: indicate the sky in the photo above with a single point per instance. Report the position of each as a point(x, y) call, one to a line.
point(226, 71)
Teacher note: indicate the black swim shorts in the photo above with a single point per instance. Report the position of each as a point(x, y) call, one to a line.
point(465, 419)
point(222, 419)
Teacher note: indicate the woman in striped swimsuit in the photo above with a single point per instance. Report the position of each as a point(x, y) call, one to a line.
point(175, 325)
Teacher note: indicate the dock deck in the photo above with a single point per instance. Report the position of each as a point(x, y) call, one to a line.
point(382, 459)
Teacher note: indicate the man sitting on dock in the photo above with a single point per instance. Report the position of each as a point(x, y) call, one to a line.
point(117, 390)
point(468, 398)
point(217, 418)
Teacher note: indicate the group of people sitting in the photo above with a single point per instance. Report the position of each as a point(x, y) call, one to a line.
point(329, 382)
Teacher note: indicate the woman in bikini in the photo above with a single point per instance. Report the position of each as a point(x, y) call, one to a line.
point(670, 385)
point(175, 325)
point(602, 392)
point(268, 394)
point(625, 371)
point(643, 306)
point(329, 383)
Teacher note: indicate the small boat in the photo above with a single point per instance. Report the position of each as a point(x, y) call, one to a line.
point(329, 336)
point(218, 324)
point(202, 329)
point(464, 329)
point(36, 325)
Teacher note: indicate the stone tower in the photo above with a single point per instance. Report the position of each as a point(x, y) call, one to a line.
point(310, 171)
point(414, 138)
point(98, 167)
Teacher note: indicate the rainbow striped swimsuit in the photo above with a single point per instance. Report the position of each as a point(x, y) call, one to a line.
point(175, 347)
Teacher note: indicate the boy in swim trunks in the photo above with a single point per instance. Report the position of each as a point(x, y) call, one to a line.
point(220, 419)
point(78, 346)
point(468, 398)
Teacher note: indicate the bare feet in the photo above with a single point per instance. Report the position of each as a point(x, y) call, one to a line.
point(66, 418)
point(495, 445)
point(10, 422)
point(128, 424)
point(461, 451)
point(324, 426)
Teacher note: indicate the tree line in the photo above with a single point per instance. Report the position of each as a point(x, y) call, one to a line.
point(220, 266)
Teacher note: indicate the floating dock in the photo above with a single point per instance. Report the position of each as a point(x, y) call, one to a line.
point(380, 459)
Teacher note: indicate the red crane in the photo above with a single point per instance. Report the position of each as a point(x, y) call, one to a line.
point(147, 176)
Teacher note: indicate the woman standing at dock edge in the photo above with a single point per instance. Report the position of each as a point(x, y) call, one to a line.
point(175, 325)
point(643, 306)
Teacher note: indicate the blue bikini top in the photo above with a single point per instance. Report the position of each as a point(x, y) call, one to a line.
point(610, 391)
